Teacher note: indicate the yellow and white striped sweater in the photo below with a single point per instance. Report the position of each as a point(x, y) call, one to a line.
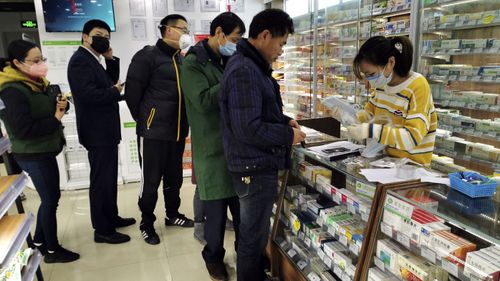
point(414, 121)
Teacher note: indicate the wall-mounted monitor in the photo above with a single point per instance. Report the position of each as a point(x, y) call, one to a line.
point(71, 15)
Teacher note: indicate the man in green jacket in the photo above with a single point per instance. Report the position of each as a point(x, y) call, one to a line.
point(202, 71)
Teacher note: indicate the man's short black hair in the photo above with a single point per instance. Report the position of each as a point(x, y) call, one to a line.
point(91, 24)
point(170, 20)
point(228, 22)
point(276, 21)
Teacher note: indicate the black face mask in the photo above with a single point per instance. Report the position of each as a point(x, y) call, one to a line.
point(100, 44)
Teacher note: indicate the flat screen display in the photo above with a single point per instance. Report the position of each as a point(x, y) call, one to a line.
point(71, 15)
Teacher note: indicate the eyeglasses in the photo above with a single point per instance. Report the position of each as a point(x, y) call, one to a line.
point(183, 29)
point(37, 61)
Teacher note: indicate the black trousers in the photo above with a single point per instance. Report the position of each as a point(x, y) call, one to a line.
point(160, 160)
point(103, 188)
point(215, 227)
point(44, 173)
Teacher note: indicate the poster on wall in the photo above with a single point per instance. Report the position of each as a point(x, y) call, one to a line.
point(137, 8)
point(237, 6)
point(59, 52)
point(184, 5)
point(205, 26)
point(160, 8)
point(139, 29)
point(210, 5)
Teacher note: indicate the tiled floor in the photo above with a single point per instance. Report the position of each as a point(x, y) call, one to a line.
point(176, 258)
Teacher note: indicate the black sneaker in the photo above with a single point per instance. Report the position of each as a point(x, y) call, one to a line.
point(150, 236)
point(217, 271)
point(179, 220)
point(61, 255)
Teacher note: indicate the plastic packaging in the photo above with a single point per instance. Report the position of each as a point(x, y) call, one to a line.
point(345, 112)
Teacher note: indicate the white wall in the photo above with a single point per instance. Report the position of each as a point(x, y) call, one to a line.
point(121, 40)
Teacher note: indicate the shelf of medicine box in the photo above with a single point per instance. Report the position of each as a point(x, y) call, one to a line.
point(337, 165)
point(461, 25)
point(13, 234)
point(312, 253)
point(464, 78)
point(356, 205)
point(424, 252)
point(444, 54)
point(469, 106)
point(29, 270)
point(397, 32)
point(302, 260)
point(444, 4)
point(5, 145)
point(488, 166)
point(388, 12)
point(477, 216)
point(10, 188)
point(471, 133)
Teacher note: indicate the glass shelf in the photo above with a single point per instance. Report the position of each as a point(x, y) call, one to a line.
point(479, 216)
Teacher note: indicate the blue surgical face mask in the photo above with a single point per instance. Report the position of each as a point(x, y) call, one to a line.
point(379, 80)
point(228, 49)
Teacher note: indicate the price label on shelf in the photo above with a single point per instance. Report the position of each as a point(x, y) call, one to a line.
point(488, 78)
point(313, 277)
point(345, 277)
point(459, 23)
point(471, 105)
point(354, 248)
point(466, 157)
point(478, 134)
point(351, 208)
point(452, 78)
point(428, 254)
point(476, 78)
point(495, 108)
point(328, 262)
point(461, 104)
point(450, 267)
point(462, 78)
point(336, 198)
point(291, 253)
point(379, 263)
point(498, 78)
point(469, 131)
point(386, 229)
point(321, 254)
point(307, 240)
point(337, 270)
point(403, 239)
point(484, 107)
point(343, 240)
point(492, 134)
point(302, 264)
point(364, 217)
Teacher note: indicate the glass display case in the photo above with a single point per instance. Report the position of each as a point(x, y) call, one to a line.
point(459, 50)
point(432, 232)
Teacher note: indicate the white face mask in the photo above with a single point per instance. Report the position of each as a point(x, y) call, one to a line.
point(185, 41)
point(379, 80)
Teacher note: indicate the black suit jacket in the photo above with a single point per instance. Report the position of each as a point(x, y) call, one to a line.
point(95, 98)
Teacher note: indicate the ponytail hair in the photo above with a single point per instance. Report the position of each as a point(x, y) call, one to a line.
point(17, 50)
point(377, 51)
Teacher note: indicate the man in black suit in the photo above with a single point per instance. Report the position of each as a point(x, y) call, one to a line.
point(96, 92)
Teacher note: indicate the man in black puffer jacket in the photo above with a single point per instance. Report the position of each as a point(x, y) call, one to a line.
point(154, 97)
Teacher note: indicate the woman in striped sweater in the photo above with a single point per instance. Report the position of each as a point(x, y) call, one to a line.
point(399, 95)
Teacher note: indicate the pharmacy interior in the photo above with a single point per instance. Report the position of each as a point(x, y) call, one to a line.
point(343, 216)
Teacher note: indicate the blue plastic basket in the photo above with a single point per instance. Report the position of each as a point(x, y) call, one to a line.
point(487, 189)
point(463, 204)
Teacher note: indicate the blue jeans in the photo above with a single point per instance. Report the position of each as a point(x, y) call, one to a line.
point(256, 203)
point(45, 176)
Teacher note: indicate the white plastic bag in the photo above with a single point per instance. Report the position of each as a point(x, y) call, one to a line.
point(345, 112)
